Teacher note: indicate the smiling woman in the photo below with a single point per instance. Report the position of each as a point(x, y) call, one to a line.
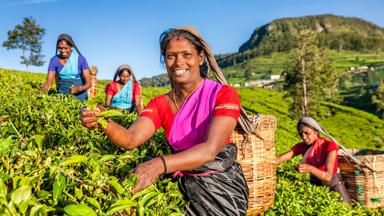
point(198, 116)
point(124, 91)
point(69, 68)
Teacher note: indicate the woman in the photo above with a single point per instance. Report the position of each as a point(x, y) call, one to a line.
point(125, 92)
point(319, 157)
point(192, 114)
point(69, 68)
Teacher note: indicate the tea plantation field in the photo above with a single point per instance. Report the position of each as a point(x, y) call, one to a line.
point(49, 164)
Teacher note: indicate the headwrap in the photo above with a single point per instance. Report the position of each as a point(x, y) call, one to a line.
point(69, 40)
point(310, 122)
point(244, 121)
point(122, 67)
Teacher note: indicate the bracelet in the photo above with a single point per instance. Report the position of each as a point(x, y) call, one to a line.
point(164, 165)
point(323, 175)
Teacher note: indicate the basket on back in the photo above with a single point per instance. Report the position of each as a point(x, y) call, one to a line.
point(257, 159)
point(363, 185)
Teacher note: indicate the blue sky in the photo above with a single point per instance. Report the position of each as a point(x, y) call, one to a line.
point(114, 32)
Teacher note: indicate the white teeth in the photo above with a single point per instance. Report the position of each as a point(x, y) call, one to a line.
point(180, 72)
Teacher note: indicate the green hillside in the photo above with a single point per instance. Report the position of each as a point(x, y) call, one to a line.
point(39, 132)
point(332, 32)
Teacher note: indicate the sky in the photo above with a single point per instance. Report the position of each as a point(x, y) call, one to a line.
point(114, 32)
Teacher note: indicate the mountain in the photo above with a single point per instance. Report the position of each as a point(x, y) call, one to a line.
point(333, 32)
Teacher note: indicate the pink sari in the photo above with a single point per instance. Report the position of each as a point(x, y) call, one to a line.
point(191, 123)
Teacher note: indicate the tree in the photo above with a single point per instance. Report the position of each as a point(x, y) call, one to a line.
point(28, 38)
point(378, 98)
point(310, 77)
point(248, 72)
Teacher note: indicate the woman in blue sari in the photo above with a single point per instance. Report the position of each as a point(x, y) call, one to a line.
point(124, 91)
point(69, 68)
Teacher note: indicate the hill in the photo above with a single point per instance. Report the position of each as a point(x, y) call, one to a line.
point(332, 32)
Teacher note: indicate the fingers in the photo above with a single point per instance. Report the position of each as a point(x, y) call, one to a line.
point(85, 112)
point(303, 168)
point(146, 174)
point(101, 107)
point(88, 118)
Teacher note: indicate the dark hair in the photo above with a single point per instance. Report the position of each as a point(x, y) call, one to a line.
point(67, 38)
point(168, 35)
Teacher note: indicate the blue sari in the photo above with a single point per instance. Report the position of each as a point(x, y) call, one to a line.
point(67, 77)
point(123, 98)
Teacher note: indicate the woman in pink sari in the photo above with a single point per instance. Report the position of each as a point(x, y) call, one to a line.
point(319, 157)
point(198, 115)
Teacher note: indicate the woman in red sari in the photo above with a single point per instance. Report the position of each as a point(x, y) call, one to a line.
point(319, 157)
point(198, 116)
point(124, 91)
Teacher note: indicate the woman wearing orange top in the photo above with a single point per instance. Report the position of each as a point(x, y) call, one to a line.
point(124, 91)
point(198, 116)
point(319, 157)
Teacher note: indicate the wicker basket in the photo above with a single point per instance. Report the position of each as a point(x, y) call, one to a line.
point(257, 159)
point(364, 186)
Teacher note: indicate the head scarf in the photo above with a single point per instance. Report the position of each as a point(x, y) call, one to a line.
point(244, 121)
point(308, 121)
point(68, 39)
point(122, 67)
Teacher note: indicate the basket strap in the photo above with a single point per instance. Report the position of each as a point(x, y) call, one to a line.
point(353, 158)
point(244, 143)
point(375, 179)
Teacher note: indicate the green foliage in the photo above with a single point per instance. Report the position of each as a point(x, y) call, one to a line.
point(28, 38)
point(310, 78)
point(50, 164)
point(378, 98)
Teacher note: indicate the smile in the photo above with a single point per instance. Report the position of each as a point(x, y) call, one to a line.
point(180, 72)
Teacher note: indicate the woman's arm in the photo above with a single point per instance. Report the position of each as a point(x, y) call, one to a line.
point(139, 132)
point(138, 103)
point(86, 86)
point(284, 157)
point(325, 176)
point(50, 79)
point(108, 100)
point(220, 129)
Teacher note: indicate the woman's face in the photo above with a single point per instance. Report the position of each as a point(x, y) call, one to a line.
point(64, 48)
point(182, 60)
point(125, 76)
point(308, 135)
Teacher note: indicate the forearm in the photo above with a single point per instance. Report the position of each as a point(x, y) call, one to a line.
point(87, 85)
point(190, 159)
point(325, 176)
point(138, 103)
point(119, 135)
point(284, 157)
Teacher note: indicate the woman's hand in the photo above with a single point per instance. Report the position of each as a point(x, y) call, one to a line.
point(88, 118)
point(147, 173)
point(76, 89)
point(305, 168)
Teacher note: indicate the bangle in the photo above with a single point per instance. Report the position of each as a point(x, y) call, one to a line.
point(164, 165)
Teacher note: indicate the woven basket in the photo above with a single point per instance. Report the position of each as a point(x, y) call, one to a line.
point(257, 159)
point(364, 186)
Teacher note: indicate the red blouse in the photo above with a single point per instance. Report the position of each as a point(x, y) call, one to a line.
point(158, 110)
point(320, 155)
point(113, 88)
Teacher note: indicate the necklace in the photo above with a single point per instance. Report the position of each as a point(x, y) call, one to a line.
point(186, 97)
